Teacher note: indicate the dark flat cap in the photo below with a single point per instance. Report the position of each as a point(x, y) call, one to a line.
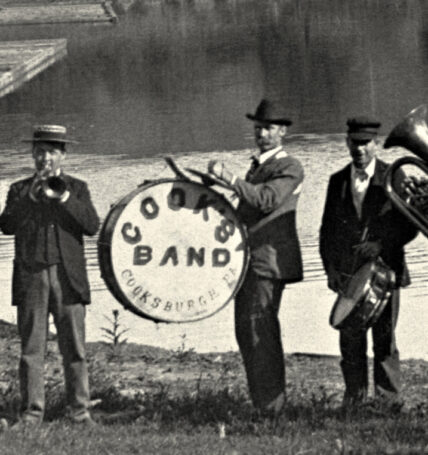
point(362, 128)
point(270, 112)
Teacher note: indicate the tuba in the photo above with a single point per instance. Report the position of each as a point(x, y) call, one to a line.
point(412, 197)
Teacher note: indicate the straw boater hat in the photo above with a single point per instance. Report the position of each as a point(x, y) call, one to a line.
point(50, 133)
point(270, 112)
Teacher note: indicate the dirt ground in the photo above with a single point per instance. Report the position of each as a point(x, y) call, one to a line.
point(138, 369)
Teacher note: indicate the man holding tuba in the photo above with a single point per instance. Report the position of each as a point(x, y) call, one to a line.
point(360, 224)
point(48, 214)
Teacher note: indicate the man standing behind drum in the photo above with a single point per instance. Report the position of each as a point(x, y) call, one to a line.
point(48, 214)
point(268, 199)
point(360, 224)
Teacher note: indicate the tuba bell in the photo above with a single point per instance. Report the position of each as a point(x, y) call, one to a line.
point(412, 197)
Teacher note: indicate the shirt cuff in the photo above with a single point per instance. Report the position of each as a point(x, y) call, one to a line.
point(233, 180)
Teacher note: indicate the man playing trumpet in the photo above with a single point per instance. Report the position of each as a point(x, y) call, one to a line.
point(48, 219)
point(360, 224)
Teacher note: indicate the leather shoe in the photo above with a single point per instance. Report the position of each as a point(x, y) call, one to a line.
point(25, 425)
point(275, 407)
point(85, 421)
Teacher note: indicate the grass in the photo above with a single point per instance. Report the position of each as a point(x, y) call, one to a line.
point(190, 424)
point(153, 401)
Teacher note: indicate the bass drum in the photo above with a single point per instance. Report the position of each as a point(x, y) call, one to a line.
point(173, 251)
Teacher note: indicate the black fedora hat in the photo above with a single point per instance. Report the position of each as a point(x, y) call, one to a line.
point(270, 112)
point(50, 133)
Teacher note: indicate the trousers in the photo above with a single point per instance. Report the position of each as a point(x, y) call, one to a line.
point(258, 335)
point(353, 347)
point(50, 292)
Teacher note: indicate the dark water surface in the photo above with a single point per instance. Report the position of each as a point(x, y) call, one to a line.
point(179, 76)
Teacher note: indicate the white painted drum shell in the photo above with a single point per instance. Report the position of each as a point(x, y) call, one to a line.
point(166, 257)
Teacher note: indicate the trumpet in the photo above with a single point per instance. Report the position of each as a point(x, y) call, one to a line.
point(54, 187)
point(48, 186)
point(412, 200)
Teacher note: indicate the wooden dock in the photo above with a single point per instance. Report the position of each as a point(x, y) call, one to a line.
point(58, 12)
point(22, 60)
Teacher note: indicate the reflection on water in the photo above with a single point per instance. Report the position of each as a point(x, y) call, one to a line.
point(179, 78)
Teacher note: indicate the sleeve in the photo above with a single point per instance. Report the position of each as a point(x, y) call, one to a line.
point(327, 244)
point(270, 195)
point(18, 210)
point(80, 210)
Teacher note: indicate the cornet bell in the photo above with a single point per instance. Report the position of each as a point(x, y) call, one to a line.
point(54, 187)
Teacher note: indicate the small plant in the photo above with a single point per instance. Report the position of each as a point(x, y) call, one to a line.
point(115, 333)
point(183, 352)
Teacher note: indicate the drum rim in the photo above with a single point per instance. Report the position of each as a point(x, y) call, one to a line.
point(105, 259)
point(376, 310)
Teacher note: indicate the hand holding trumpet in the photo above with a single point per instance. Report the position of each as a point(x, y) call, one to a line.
point(35, 190)
point(46, 187)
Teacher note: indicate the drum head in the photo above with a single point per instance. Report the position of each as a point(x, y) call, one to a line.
point(345, 304)
point(173, 251)
point(341, 310)
point(360, 282)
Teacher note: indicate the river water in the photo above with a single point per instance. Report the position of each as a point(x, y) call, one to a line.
point(177, 78)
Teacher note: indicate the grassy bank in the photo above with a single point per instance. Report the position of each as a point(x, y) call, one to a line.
point(154, 401)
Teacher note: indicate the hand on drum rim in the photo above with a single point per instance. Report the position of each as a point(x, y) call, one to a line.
point(368, 249)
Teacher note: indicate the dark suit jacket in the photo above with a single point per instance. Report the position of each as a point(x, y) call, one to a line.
point(341, 229)
point(22, 217)
point(268, 199)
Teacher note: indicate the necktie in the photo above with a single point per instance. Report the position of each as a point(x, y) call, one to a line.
point(361, 174)
point(255, 163)
point(359, 189)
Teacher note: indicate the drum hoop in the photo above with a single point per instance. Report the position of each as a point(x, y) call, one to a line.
point(332, 313)
point(104, 250)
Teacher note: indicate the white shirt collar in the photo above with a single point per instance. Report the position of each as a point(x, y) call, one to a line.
point(369, 170)
point(262, 157)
